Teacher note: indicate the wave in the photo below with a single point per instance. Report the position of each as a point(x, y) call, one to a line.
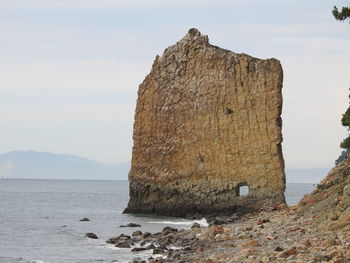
point(202, 222)
point(18, 260)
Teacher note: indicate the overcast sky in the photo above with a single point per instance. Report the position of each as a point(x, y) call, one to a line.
point(70, 69)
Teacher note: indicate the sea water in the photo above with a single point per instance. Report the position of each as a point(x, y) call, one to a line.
point(39, 220)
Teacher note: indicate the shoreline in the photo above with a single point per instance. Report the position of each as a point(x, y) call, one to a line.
point(317, 229)
point(267, 236)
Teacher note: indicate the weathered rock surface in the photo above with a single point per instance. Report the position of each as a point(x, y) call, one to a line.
point(207, 122)
point(329, 203)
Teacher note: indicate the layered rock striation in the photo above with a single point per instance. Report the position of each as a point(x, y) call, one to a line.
point(207, 122)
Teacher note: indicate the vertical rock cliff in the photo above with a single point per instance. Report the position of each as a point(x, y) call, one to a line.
point(207, 122)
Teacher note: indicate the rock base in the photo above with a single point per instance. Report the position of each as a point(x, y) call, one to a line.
point(147, 199)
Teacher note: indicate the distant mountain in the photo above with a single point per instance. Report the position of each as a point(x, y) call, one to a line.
point(44, 165)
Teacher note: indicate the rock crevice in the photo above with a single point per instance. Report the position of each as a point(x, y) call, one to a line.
point(207, 121)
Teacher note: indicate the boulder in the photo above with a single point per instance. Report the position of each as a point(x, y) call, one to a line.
point(138, 249)
point(124, 244)
point(137, 233)
point(196, 225)
point(131, 225)
point(167, 230)
point(91, 235)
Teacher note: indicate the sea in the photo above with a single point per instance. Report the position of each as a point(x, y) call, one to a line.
point(39, 220)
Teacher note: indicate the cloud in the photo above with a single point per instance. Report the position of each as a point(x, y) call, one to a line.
point(142, 4)
point(115, 112)
point(69, 75)
point(104, 3)
point(70, 69)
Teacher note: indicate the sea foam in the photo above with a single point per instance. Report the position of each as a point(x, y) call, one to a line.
point(203, 222)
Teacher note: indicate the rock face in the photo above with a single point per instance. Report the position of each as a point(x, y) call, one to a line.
point(207, 122)
point(329, 203)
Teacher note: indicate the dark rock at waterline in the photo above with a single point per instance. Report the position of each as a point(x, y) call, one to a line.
point(138, 260)
point(138, 249)
point(143, 243)
point(131, 225)
point(112, 240)
point(196, 225)
point(137, 239)
point(137, 233)
point(158, 251)
point(125, 244)
point(193, 217)
point(116, 240)
point(168, 230)
point(146, 235)
point(150, 246)
point(162, 247)
point(91, 235)
point(84, 219)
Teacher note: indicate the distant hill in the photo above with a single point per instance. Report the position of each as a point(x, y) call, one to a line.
point(44, 165)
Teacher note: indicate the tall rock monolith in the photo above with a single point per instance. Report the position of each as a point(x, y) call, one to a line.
point(207, 124)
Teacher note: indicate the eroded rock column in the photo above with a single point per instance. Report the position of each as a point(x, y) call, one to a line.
point(207, 123)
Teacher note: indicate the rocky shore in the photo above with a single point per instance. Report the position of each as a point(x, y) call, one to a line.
point(316, 230)
point(268, 236)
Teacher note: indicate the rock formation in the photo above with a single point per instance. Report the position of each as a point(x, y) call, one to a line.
point(207, 122)
point(329, 203)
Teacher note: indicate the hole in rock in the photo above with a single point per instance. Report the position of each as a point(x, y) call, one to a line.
point(229, 111)
point(242, 189)
point(201, 158)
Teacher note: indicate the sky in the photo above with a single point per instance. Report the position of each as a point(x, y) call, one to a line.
point(70, 69)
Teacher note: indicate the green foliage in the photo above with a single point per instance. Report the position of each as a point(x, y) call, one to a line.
point(345, 121)
point(345, 143)
point(342, 15)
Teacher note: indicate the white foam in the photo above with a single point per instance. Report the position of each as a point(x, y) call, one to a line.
point(202, 222)
point(112, 247)
point(37, 261)
point(176, 248)
point(157, 256)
